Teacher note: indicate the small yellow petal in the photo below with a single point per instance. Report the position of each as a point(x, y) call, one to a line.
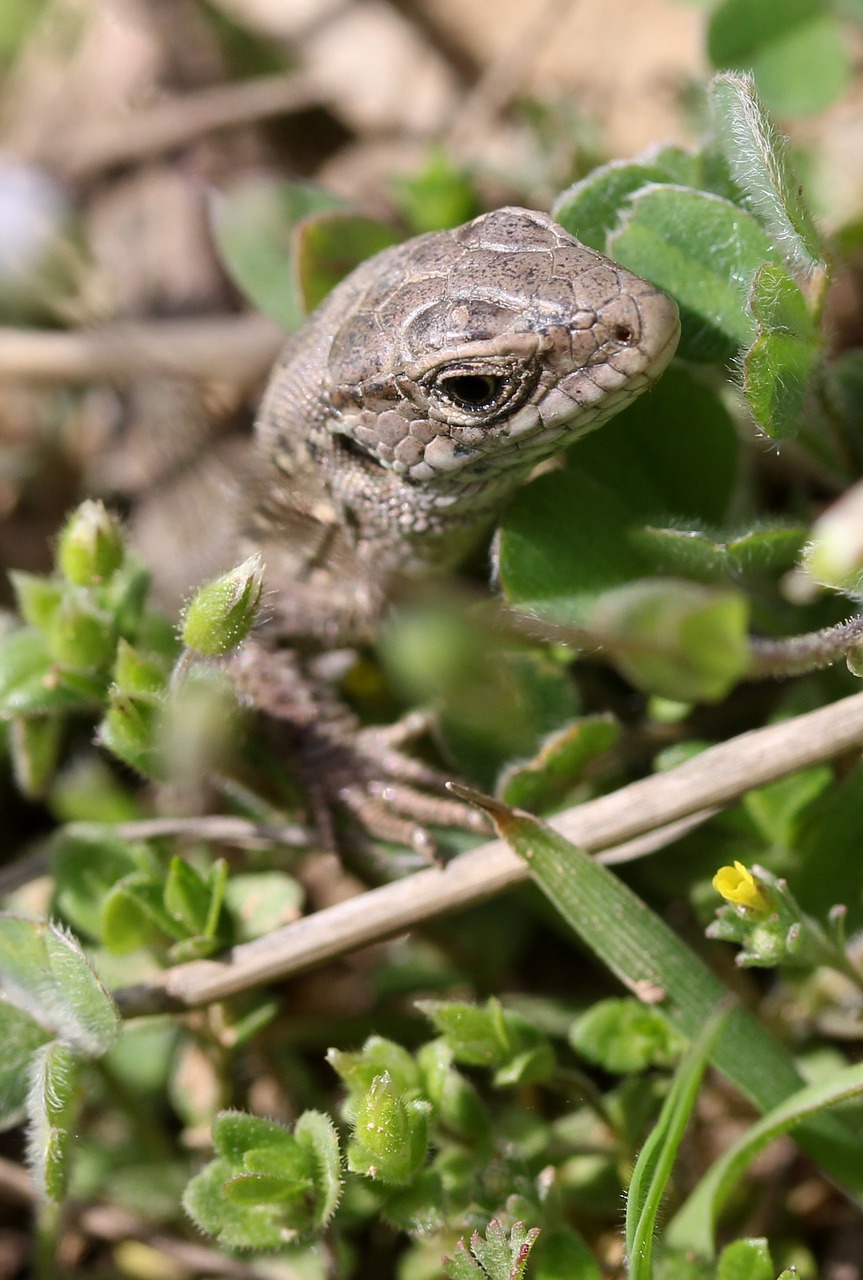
point(737, 884)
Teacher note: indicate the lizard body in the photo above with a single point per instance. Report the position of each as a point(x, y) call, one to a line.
point(417, 398)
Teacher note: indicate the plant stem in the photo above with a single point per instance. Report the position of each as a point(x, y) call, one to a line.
point(797, 655)
point(47, 1229)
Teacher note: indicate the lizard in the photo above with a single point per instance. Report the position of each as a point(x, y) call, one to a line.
point(419, 395)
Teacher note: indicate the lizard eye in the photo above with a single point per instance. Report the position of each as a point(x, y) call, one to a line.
point(472, 390)
point(473, 393)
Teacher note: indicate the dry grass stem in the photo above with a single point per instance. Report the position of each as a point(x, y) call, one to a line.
point(232, 348)
point(716, 777)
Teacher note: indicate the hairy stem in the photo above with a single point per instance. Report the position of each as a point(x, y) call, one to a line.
point(796, 655)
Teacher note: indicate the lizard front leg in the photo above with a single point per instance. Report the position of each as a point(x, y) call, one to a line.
point(343, 765)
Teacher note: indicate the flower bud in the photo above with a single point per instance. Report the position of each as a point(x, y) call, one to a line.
point(834, 557)
point(90, 549)
point(221, 615)
point(390, 1137)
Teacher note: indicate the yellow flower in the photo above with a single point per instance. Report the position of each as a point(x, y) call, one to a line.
point(738, 885)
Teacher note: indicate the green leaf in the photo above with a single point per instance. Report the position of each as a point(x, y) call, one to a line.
point(778, 367)
point(330, 245)
point(705, 557)
point(796, 50)
point(655, 1162)
point(255, 225)
point(260, 901)
point(757, 156)
point(481, 1036)
point(500, 1256)
point(531, 1066)
point(137, 672)
point(673, 453)
point(316, 1134)
point(494, 698)
point(439, 195)
point(267, 1185)
point(418, 1208)
point(44, 973)
point(37, 597)
point(20, 1037)
point(237, 1226)
point(51, 1107)
point(694, 1224)
point(745, 1260)
point(132, 907)
point(678, 639)
point(562, 543)
point(778, 808)
point(623, 1036)
point(377, 1057)
point(236, 1132)
point(87, 863)
point(590, 209)
point(34, 743)
point(260, 1188)
point(187, 896)
point(704, 251)
point(558, 765)
point(561, 1253)
point(457, 1104)
point(32, 684)
point(130, 730)
point(647, 956)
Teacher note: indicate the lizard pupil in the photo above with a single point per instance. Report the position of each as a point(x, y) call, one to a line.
point(472, 390)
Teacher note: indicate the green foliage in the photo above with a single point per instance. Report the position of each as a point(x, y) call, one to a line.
point(267, 1186)
point(44, 974)
point(494, 1038)
point(57, 1015)
point(652, 1171)
point(497, 1256)
point(440, 195)
point(623, 1036)
point(89, 644)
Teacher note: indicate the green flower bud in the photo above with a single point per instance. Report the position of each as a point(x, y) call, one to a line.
point(221, 615)
point(90, 549)
point(81, 636)
point(390, 1139)
point(834, 557)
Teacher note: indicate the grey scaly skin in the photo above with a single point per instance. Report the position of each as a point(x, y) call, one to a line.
point(395, 427)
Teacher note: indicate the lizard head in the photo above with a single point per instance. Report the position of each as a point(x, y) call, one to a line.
point(475, 353)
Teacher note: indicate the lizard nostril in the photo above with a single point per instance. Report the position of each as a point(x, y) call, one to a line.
point(623, 333)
